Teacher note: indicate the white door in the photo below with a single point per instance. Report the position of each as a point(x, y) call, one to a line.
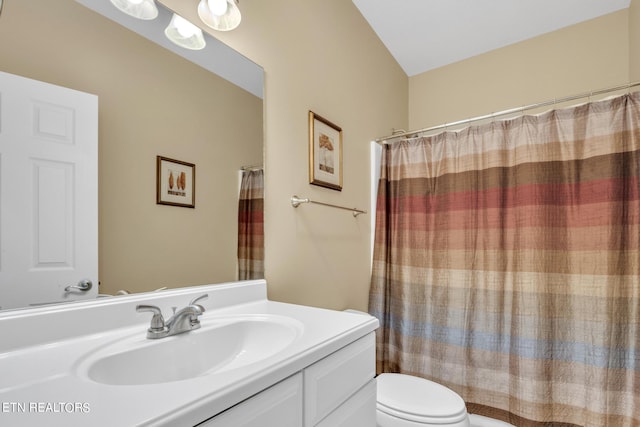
point(48, 192)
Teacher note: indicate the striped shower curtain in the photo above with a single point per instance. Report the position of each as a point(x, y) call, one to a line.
point(506, 265)
point(251, 225)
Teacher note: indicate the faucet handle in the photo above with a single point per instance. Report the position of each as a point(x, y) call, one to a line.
point(200, 298)
point(157, 321)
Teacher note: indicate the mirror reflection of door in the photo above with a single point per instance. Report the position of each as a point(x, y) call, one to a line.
point(48, 193)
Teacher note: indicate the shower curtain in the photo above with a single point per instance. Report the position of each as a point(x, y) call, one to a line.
point(506, 265)
point(251, 225)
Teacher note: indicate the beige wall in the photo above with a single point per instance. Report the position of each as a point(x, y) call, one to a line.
point(584, 57)
point(151, 102)
point(323, 56)
point(320, 56)
point(634, 41)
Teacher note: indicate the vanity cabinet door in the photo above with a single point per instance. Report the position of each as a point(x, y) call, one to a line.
point(358, 411)
point(277, 406)
point(331, 381)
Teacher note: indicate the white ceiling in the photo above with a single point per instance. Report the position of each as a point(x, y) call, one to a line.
point(426, 34)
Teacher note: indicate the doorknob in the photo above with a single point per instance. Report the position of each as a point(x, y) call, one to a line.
point(83, 285)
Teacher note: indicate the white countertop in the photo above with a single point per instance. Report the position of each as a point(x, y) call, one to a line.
point(41, 384)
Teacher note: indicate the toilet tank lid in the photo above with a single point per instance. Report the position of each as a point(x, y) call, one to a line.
point(419, 399)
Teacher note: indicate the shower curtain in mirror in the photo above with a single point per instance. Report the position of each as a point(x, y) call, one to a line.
point(506, 265)
point(251, 226)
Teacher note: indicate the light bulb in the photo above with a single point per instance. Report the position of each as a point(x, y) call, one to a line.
point(220, 20)
point(185, 34)
point(218, 7)
point(185, 28)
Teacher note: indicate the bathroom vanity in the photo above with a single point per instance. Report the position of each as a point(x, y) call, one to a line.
point(251, 362)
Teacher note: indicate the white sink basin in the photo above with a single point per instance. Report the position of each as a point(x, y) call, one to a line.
point(219, 345)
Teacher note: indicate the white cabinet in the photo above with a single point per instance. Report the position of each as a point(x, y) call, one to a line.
point(358, 411)
point(278, 406)
point(334, 379)
point(337, 391)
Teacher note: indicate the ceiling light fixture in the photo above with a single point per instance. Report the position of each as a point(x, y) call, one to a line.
point(221, 15)
point(184, 33)
point(141, 9)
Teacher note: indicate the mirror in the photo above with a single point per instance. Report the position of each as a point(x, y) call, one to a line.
point(152, 102)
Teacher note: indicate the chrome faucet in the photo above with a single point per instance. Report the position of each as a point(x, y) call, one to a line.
point(184, 320)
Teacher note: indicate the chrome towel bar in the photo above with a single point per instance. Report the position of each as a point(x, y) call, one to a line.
point(297, 201)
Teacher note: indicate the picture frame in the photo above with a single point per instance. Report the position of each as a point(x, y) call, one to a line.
point(325, 153)
point(175, 182)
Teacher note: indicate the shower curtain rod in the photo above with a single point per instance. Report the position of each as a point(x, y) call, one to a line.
point(402, 134)
point(251, 168)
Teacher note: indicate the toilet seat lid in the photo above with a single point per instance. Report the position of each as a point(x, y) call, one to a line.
point(418, 399)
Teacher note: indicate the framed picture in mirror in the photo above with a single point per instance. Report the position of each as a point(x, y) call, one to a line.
point(325, 153)
point(175, 182)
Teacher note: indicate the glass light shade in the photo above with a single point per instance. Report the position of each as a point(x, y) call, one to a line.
point(141, 9)
point(184, 33)
point(226, 22)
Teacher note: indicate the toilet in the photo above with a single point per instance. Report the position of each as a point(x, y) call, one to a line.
point(408, 401)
